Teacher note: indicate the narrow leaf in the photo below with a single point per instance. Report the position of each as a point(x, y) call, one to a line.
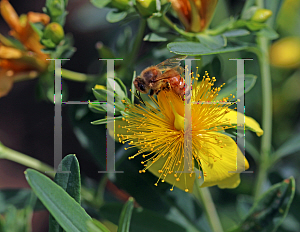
point(193, 48)
point(100, 3)
point(269, 211)
point(70, 182)
point(125, 218)
point(231, 86)
point(115, 16)
point(67, 212)
point(290, 147)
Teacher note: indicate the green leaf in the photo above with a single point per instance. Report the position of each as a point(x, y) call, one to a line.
point(269, 211)
point(197, 49)
point(67, 212)
point(142, 219)
point(159, 37)
point(248, 4)
point(212, 42)
point(268, 32)
point(19, 198)
point(231, 86)
point(105, 120)
point(115, 16)
point(100, 3)
point(56, 9)
point(251, 25)
point(236, 33)
point(274, 6)
point(96, 226)
point(289, 147)
point(70, 182)
point(124, 221)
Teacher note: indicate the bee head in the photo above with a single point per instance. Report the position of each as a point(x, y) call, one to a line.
point(140, 85)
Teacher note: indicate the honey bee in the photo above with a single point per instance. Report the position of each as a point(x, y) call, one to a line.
point(164, 76)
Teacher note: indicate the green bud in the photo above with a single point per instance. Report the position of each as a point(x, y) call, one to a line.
point(146, 7)
point(261, 15)
point(54, 32)
point(120, 4)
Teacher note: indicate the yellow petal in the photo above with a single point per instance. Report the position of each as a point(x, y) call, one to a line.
point(185, 180)
point(249, 122)
point(119, 123)
point(218, 172)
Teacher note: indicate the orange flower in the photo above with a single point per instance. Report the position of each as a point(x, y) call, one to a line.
point(194, 14)
point(18, 64)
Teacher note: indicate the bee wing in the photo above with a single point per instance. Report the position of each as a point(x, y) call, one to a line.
point(171, 63)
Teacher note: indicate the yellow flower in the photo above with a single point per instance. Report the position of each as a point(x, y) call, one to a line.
point(195, 14)
point(18, 64)
point(157, 130)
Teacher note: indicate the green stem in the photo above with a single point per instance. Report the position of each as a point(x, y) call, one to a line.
point(75, 76)
point(137, 43)
point(266, 85)
point(203, 195)
point(9, 154)
point(174, 27)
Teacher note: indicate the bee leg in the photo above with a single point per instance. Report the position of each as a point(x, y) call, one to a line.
point(168, 85)
point(157, 92)
point(139, 97)
point(151, 92)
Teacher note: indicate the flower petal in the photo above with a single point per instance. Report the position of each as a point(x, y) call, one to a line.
point(6, 83)
point(249, 122)
point(185, 180)
point(218, 173)
point(10, 16)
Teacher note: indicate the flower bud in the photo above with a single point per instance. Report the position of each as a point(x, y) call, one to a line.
point(54, 32)
point(261, 15)
point(195, 15)
point(120, 4)
point(146, 7)
point(285, 53)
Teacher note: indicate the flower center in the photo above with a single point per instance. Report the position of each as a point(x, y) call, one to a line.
point(179, 120)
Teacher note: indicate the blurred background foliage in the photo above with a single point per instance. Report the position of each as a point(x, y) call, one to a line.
point(114, 29)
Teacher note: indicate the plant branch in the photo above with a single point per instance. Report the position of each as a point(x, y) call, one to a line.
point(263, 45)
point(203, 195)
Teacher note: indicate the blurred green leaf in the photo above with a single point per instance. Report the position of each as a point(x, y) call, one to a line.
point(197, 49)
point(105, 120)
point(67, 212)
point(247, 7)
point(19, 198)
point(159, 37)
point(115, 16)
point(289, 147)
point(274, 6)
point(16, 220)
point(251, 25)
point(231, 86)
point(236, 33)
point(96, 226)
point(56, 9)
point(269, 211)
point(142, 219)
point(212, 42)
point(100, 3)
point(243, 205)
point(268, 32)
point(70, 182)
point(125, 217)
